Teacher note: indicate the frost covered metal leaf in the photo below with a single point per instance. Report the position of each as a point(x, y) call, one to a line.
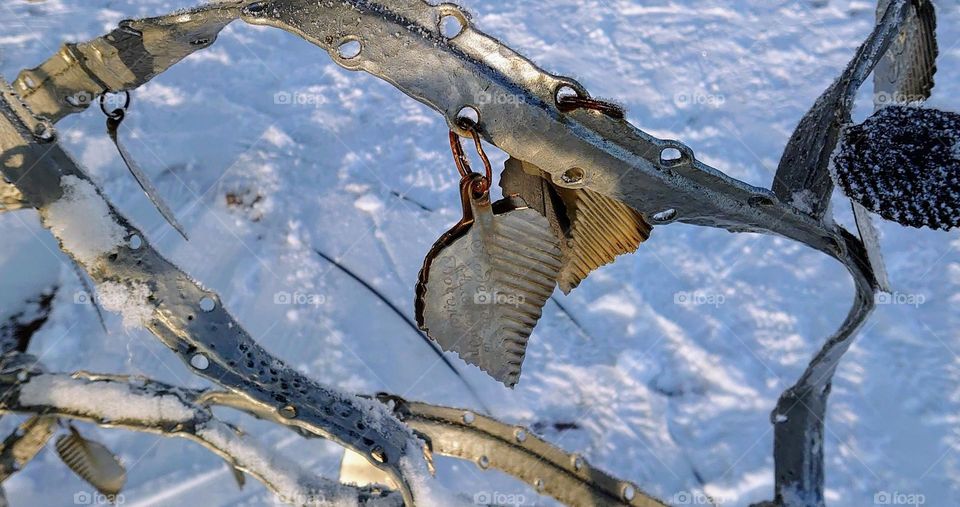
point(903, 163)
point(593, 229)
point(484, 283)
point(92, 461)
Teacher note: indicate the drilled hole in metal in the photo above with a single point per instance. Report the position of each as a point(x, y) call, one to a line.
point(573, 176)
point(349, 49)
point(450, 26)
point(468, 116)
point(565, 91)
point(670, 156)
point(665, 216)
point(207, 304)
point(200, 362)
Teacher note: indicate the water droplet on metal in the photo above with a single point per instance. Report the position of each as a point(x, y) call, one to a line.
point(521, 435)
point(288, 411)
point(483, 462)
point(468, 417)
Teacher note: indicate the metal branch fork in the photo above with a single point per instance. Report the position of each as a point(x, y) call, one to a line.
point(403, 43)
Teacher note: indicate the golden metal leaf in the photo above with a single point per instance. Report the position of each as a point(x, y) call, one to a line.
point(594, 229)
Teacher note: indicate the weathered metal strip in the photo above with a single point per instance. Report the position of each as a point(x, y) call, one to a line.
point(183, 416)
point(191, 321)
point(127, 57)
point(803, 177)
point(25, 443)
point(515, 450)
point(401, 42)
point(904, 74)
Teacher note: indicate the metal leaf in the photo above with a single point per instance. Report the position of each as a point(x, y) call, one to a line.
point(484, 283)
point(93, 462)
point(594, 229)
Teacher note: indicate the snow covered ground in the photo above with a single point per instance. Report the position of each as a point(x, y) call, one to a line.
point(643, 380)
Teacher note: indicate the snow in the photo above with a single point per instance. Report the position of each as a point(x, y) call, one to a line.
point(284, 475)
point(129, 300)
point(675, 398)
point(81, 220)
point(103, 400)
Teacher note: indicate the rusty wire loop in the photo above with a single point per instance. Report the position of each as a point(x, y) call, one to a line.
point(463, 163)
point(573, 102)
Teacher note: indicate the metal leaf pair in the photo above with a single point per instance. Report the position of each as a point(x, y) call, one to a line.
point(484, 283)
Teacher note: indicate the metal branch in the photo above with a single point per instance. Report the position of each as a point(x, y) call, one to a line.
point(20, 447)
point(143, 405)
point(398, 40)
point(124, 59)
point(188, 318)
